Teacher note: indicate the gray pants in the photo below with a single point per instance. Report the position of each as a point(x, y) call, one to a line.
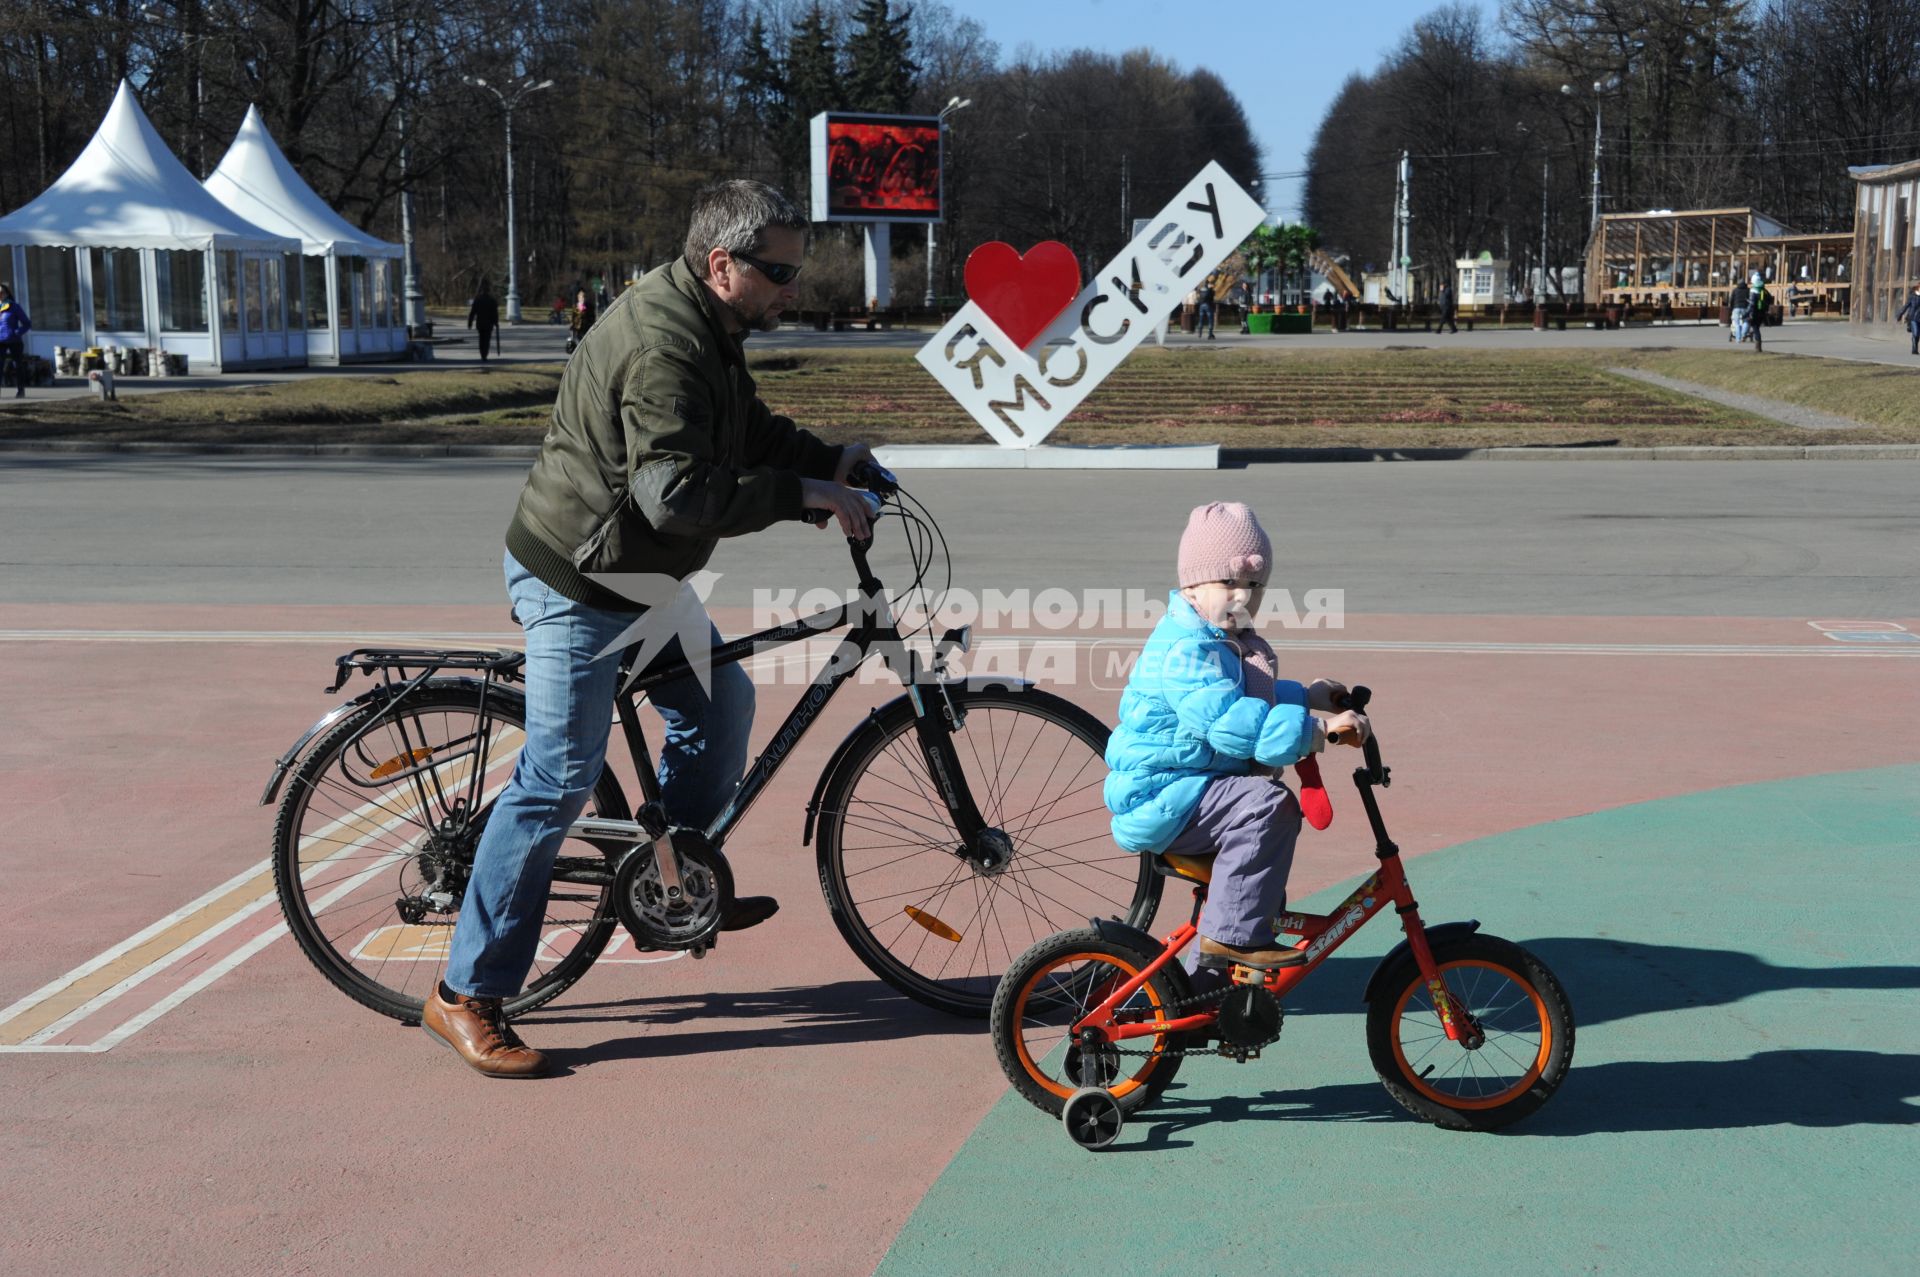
point(1252, 822)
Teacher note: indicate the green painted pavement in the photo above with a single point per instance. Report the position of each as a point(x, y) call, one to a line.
point(1746, 1080)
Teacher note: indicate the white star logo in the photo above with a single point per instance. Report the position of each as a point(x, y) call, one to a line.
point(676, 609)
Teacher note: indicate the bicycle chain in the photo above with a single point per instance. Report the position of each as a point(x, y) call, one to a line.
point(1196, 1000)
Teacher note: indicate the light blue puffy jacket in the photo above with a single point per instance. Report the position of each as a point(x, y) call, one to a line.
point(1185, 719)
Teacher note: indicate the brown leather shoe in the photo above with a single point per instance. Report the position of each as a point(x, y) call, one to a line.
point(1215, 954)
point(476, 1031)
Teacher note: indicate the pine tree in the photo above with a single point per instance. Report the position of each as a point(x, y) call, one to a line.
point(763, 100)
point(880, 74)
point(812, 86)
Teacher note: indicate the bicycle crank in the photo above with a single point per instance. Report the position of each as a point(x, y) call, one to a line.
point(659, 918)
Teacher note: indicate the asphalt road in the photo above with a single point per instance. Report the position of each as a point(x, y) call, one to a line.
point(1525, 538)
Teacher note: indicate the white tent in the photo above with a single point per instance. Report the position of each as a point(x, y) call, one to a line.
point(351, 279)
point(127, 249)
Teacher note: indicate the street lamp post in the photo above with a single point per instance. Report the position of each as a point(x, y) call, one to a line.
point(508, 101)
point(953, 104)
point(1600, 87)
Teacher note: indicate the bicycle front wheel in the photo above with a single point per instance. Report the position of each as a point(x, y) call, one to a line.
point(375, 841)
point(922, 915)
point(1519, 1008)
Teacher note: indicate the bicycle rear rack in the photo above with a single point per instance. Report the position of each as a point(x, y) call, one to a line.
point(394, 664)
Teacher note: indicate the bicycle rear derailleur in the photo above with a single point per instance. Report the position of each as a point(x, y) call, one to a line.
point(662, 914)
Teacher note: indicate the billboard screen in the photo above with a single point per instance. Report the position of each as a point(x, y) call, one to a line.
point(876, 168)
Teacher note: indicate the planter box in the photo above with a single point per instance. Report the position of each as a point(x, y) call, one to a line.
point(1292, 323)
point(1261, 323)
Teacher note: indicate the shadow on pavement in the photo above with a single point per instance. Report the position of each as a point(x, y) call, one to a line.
point(816, 1015)
point(1815, 1088)
point(1608, 980)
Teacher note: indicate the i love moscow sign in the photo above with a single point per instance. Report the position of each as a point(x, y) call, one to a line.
point(1030, 343)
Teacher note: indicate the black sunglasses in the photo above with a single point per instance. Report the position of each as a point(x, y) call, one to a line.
point(776, 272)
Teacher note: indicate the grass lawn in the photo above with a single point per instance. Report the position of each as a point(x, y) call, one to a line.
point(1379, 398)
point(1878, 394)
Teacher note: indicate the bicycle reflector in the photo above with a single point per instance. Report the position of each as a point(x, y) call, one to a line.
point(933, 924)
point(399, 761)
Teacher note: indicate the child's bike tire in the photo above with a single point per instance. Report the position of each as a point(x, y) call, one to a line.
point(1520, 1006)
point(1053, 983)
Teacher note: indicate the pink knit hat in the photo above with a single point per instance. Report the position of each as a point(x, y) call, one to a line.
point(1224, 542)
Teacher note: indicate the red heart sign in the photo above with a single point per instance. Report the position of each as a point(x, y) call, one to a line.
point(1023, 294)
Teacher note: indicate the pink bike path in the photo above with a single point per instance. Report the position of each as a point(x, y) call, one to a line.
point(772, 1108)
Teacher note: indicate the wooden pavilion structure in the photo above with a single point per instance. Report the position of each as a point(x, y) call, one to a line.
point(1886, 239)
point(1691, 257)
point(1812, 273)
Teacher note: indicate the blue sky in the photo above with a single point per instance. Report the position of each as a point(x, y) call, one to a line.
point(1284, 59)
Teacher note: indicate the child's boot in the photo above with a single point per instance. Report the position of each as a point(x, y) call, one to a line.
point(1216, 953)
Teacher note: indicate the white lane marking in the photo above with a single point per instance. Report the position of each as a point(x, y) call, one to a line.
point(362, 816)
point(132, 942)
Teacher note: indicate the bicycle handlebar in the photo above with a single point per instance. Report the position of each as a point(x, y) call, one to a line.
point(879, 483)
point(1356, 700)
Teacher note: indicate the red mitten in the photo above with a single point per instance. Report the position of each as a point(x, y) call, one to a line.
point(1314, 803)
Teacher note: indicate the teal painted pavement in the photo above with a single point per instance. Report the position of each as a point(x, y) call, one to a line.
point(1745, 1084)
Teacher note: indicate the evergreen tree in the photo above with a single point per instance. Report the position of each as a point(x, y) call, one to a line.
point(880, 74)
point(763, 100)
point(812, 85)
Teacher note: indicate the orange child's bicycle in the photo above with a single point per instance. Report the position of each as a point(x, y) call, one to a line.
point(1466, 1030)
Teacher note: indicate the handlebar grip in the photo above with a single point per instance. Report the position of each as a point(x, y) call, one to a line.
point(874, 477)
point(1355, 699)
point(820, 518)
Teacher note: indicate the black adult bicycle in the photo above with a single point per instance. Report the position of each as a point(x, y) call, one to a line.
point(955, 826)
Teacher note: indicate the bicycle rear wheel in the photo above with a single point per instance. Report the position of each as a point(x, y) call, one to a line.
point(1052, 986)
point(922, 916)
point(375, 841)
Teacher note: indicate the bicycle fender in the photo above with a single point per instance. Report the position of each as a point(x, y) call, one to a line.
point(870, 724)
point(285, 762)
point(1115, 931)
point(1402, 952)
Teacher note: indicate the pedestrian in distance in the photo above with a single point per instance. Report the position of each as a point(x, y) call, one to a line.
point(1206, 727)
point(658, 448)
point(1910, 316)
point(579, 319)
point(1446, 309)
point(1205, 321)
point(1738, 302)
point(14, 326)
point(483, 316)
point(1759, 311)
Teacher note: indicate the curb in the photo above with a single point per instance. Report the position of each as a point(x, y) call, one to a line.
point(955, 457)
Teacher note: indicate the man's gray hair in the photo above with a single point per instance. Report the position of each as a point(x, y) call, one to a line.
point(735, 215)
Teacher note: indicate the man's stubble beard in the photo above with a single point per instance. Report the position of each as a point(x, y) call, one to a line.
point(765, 322)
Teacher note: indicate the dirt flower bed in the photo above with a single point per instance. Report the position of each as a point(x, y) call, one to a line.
point(1378, 398)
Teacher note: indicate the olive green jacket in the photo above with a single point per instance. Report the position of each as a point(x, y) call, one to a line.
point(659, 447)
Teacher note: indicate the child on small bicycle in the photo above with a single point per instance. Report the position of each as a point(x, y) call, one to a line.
point(1206, 727)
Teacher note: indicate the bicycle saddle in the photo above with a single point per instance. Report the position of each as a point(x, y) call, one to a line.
point(1192, 868)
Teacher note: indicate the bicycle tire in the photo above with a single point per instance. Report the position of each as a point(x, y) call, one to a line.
point(1517, 1002)
point(348, 924)
point(1055, 983)
point(1026, 753)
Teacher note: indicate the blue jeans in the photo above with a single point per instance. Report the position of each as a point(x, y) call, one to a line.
point(1204, 322)
point(569, 716)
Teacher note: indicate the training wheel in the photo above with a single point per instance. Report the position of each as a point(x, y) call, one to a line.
point(1093, 1117)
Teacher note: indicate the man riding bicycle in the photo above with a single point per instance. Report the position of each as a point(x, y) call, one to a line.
point(659, 447)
